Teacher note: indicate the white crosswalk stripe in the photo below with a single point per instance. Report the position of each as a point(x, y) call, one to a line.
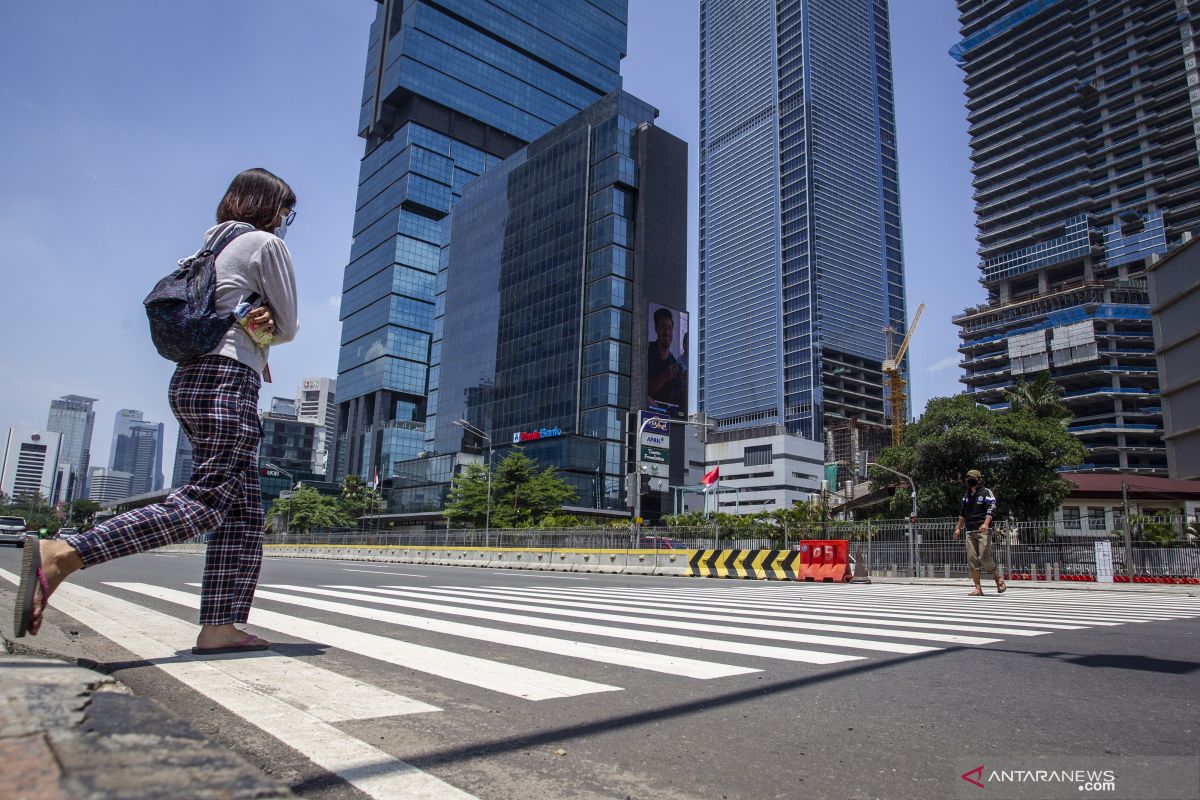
point(663, 628)
point(529, 684)
point(1028, 607)
point(695, 642)
point(649, 618)
point(951, 609)
point(636, 614)
point(849, 608)
point(763, 614)
point(671, 665)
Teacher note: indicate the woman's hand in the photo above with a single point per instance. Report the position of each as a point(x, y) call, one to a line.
point(261, 319)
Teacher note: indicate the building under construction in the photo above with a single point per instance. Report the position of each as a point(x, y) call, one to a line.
point(845, 439)
point(1084, 154)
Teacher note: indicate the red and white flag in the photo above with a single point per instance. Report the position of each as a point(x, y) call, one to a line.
point(711, 477)
point(375, 484)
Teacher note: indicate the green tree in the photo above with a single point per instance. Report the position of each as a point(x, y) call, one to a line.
point(307, 509)
point(692, 519)
point(1017, 451)
point(467, 501)
point(561, 521)
point(522, 495)
point(82, 512)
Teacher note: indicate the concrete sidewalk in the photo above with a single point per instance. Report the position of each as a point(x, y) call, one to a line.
point(71, 732)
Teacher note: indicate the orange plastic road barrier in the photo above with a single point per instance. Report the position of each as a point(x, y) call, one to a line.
point(823, 560)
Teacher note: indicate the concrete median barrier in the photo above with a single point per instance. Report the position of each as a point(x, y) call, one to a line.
point(730, 563)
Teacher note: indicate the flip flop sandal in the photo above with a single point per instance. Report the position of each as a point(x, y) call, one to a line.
point(31, 578)
point(975, 594)
point(246, 645)
point(1002, 588)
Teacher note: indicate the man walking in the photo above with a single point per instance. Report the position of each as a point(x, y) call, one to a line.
point(978, 509)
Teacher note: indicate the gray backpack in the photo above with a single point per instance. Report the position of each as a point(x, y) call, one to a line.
point(182, 307)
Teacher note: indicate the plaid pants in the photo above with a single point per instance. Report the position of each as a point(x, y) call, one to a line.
point(215, 400)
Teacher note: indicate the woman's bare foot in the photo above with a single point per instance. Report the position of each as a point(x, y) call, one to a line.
point(213, 636)
point(59, 560)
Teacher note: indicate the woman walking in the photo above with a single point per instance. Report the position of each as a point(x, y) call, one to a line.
point(215, 399)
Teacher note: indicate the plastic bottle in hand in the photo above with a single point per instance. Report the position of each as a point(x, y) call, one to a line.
point(260, 335)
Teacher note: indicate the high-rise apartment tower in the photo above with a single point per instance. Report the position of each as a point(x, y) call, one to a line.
point(30, 465)
point(1084, 121)
point(316, 401)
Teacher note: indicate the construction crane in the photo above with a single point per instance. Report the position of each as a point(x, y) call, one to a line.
point(895, 376)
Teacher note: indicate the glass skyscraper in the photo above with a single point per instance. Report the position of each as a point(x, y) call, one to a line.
point(563, 259)
point(451, 88)
point(1084, 120)
point(73, 417)
point(800, 249)
point(140, 452)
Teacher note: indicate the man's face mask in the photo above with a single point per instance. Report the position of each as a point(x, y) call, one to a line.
point(972, 482)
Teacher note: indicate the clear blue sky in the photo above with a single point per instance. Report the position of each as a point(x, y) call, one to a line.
point(122, 123)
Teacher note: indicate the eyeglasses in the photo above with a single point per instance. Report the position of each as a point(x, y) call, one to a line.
point(289, 218)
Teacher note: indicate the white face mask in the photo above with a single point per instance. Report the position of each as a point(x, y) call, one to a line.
point(281, 229)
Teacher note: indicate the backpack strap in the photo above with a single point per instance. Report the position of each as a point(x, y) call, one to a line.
point(227, 237)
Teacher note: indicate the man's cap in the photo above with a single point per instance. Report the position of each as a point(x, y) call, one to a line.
point(974, 473)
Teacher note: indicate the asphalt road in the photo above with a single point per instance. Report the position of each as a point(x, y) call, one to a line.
point(387, 680)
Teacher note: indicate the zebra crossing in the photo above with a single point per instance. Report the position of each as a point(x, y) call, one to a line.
point(702, 631)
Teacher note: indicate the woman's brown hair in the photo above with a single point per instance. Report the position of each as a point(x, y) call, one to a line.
point(256, 196)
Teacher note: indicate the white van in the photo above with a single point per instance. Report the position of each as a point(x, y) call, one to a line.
point(12, 531)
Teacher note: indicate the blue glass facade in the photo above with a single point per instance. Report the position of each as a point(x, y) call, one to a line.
point(800, 249)
point(450, 89)
point(547, 288)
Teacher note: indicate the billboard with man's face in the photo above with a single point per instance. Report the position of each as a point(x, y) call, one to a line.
point(666, 360)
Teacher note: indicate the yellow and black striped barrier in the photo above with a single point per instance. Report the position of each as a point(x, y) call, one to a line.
point(772, 565)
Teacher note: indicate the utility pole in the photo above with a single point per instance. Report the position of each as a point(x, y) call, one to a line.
point(912, 519)
point(487, 520)
point(1128, 538)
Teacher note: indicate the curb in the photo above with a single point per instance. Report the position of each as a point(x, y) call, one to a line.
point(68, 737)
point(65, 732)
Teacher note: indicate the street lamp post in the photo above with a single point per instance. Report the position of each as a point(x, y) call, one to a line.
point(487, 524)
point(912, 541)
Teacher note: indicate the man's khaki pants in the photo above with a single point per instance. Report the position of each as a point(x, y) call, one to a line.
point(979, 552)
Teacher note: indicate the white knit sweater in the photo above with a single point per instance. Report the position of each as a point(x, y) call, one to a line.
point(254, 262)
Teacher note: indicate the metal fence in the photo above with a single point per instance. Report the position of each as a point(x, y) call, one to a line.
point(1029, 549)
point(1159, 547)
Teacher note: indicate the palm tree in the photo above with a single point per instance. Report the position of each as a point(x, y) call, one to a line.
point(1041, 397)
point(352, 487)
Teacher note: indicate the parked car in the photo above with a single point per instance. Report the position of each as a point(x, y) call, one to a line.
point(12, 531)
